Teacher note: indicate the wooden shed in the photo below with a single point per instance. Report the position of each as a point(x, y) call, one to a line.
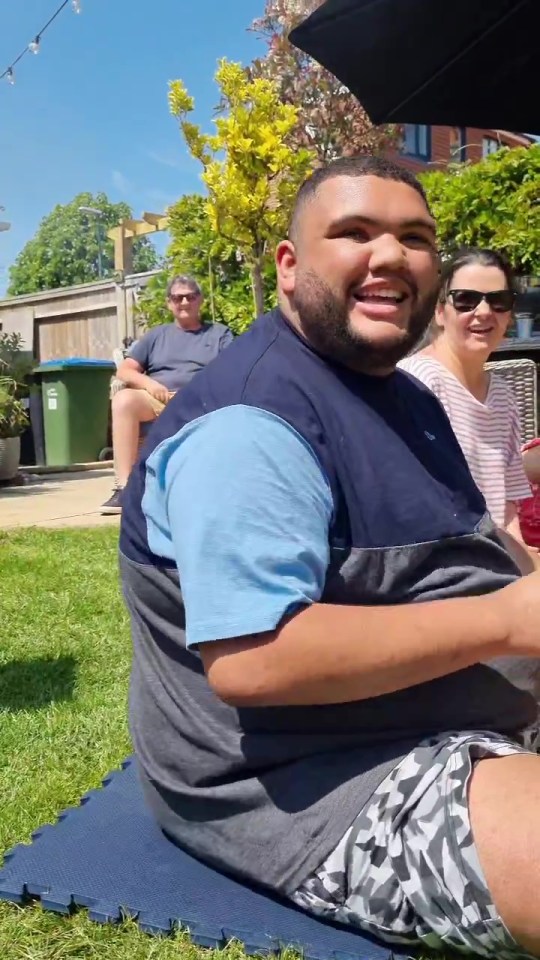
point(88, 320)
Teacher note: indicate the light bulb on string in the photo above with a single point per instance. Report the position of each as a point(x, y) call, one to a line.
point(35, 45)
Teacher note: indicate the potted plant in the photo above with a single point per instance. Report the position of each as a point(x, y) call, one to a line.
point(13, 422)
point(14, 368)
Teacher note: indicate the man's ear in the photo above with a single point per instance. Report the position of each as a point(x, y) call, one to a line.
point(286, 266)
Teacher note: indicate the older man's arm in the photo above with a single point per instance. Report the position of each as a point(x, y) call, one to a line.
point(133, 375)
point(226, 338)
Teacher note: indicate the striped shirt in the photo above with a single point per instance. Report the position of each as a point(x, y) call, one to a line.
point(488, 433)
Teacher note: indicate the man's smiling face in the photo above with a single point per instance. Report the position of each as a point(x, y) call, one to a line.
point(361, 271)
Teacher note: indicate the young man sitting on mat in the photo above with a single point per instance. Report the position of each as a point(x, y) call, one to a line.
point(334, 655)
point(163, 361)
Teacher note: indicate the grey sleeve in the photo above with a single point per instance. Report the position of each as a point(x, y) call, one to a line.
point(225, 339)
point(141, 349)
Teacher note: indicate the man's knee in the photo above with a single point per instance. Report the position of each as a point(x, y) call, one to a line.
point(132, 404)
point(504, 806)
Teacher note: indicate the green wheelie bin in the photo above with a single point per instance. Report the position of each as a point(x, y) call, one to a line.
point(75, 395)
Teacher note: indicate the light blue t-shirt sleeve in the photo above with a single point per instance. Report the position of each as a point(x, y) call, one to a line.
point(239, 501)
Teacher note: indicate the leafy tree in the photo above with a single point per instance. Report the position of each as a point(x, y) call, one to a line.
point(251, 169)
point(493, 203)
point(330, 120)
point(65, 248)
point(195, 249)
point(16, 363)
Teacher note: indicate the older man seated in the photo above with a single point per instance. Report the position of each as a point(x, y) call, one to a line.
point(159, 364)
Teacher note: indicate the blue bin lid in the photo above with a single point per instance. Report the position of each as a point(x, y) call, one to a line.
point(70, 362)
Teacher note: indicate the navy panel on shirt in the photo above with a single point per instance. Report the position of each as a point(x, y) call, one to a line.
point(385, 444)
point(272, 790)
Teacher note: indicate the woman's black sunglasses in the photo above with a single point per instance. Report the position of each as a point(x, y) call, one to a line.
point(465, 301)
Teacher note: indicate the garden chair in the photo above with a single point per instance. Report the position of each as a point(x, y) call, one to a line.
point(522, 376)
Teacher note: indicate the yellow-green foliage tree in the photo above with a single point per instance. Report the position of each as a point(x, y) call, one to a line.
point(250, 167)
point(194, 249)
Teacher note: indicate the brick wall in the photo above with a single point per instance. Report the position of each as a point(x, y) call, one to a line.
point(440, 145)
point(441, 142)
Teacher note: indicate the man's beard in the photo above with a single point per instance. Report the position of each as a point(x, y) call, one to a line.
point(325, 322)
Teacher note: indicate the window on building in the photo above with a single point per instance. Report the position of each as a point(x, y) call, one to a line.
point(416, 141)
point(490, 145)
point(458, 145)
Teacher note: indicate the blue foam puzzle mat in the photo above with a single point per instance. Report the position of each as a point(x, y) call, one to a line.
point(109, 856)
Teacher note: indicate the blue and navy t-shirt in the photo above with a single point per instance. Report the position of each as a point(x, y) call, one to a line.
point(277, 480)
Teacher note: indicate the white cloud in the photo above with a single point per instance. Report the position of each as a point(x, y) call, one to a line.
point(121, 182)
point(160, 199)
point(165, 159)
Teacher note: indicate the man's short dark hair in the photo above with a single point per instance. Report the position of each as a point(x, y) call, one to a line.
point(186, 281)
point(360, 166)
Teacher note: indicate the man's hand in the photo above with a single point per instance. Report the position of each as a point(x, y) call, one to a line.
point(157, 390)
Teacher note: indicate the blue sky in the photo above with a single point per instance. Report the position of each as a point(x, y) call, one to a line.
point(89, 112)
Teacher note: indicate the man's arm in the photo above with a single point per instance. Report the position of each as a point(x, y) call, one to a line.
point(225, 339)
point(132, 374)
point(336, 654)
point(132, 370)
point(252, 554)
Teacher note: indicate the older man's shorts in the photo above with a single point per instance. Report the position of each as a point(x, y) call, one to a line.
point(156, 406)
point(407, 870)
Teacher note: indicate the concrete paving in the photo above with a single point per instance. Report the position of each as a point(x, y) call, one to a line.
point(57, 500)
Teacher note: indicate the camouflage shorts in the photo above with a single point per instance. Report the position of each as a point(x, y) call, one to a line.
point(407, 870)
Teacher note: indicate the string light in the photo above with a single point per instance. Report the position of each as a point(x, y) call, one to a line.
point(34, 46)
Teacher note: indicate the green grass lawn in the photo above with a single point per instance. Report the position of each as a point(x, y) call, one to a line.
point(64, 666)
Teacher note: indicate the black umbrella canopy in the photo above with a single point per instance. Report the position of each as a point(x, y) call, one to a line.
point(469, 63)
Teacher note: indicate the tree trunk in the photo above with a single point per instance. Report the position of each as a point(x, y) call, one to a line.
point(211, 286)
point(257, 286)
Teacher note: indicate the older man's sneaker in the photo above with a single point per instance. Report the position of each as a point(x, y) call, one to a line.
point(114, 504)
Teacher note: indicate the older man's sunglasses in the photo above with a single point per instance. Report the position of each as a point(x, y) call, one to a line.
point(180, 297)
point(465, 301)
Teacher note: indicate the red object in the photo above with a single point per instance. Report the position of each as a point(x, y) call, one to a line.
point(529, 510)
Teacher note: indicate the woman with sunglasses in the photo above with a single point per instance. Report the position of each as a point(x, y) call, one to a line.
point(472, 317)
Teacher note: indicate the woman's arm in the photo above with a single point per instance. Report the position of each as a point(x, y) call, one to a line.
point(527, 558)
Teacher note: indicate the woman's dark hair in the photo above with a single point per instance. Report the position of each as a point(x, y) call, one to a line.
point(472, 255)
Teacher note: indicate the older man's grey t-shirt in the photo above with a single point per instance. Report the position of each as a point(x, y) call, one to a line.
point(173, 356)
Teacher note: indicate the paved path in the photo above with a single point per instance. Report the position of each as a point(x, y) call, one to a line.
point(57, 500)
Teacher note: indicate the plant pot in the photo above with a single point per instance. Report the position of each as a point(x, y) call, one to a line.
point(10, 454)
